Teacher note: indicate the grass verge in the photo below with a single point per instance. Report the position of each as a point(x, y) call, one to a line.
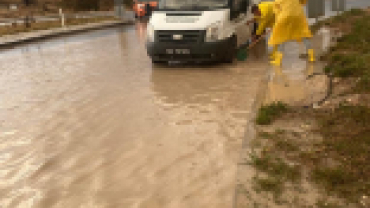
point(346, 130)
point(11, 30)
point(350, 56)
point(268, 113)
point(347, 140)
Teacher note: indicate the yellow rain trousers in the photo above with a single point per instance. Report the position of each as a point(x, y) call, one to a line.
point(290, 22)
point(267, 18)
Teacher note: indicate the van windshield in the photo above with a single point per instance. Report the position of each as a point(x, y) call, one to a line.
point(192, 4)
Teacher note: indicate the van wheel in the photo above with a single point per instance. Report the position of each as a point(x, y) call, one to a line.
point(233, 47)
point(229, 59)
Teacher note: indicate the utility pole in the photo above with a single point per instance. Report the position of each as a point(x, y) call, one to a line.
point(27, 20)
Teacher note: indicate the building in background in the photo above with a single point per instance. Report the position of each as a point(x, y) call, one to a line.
point(144, 7)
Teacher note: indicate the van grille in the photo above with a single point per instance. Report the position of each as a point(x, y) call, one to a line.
point(183, 14)
point(188, 36)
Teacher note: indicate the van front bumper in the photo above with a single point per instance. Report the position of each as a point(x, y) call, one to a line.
point(206, 51)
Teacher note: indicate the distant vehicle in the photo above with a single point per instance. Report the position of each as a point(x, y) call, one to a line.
point(144, 8)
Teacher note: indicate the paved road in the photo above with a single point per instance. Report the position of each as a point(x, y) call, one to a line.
point(86, 121)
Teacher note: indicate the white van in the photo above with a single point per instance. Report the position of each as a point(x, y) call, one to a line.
point(198, 30)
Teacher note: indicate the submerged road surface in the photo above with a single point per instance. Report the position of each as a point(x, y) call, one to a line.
point(86, 121)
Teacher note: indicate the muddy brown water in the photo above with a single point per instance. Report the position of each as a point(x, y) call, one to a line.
point(87, 121)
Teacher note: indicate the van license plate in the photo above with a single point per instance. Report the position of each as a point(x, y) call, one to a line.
point(178, 51)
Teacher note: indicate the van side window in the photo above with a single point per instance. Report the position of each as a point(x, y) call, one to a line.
point(235, 9)
point(236, 4)
point(238, 7)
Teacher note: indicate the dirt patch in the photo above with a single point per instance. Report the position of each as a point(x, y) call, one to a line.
point(305, 159)
point(364, 99)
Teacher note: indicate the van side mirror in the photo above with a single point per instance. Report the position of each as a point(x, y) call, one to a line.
point(244, 4)
point(240, 8)
point(234, 14)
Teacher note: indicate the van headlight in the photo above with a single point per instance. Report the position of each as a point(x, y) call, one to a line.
point(150, 33)
point(213, 33)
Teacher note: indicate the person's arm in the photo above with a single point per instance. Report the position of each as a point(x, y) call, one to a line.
point(261, 27)
point(254, 36)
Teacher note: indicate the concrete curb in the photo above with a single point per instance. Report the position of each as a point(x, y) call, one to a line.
point(249, 135)
point(12, 40)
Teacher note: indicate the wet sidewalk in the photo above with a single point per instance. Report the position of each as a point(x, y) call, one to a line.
point(296, 82)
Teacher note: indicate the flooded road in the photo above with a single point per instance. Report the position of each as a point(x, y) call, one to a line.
point(87, 121)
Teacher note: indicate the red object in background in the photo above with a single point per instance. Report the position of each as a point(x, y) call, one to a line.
point(140, 7)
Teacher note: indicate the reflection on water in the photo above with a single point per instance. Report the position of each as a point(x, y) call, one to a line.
point(85, 121)
point(141, 30)
point(298, 82)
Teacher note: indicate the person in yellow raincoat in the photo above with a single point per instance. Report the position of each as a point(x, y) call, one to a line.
point(264, 15)
point(290, 25)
